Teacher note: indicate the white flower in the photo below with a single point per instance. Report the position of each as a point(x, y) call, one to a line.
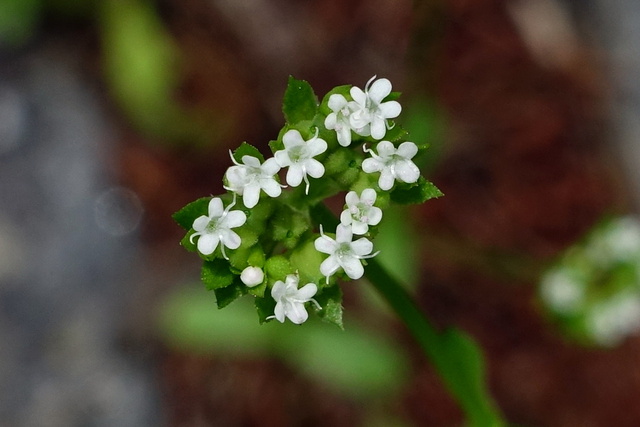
point(369, 114)
point(343, 252)
point(360, 212)
point(338, 120)
point(393, 164)
point(248, 178)
point(252, 276)
point(290, 300)
point(216, 228)
point(298, 155)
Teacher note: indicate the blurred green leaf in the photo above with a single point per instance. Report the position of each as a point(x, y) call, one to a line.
point(18, 21)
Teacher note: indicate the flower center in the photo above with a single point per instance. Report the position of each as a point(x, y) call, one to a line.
point(344, 250)
point(298, 153)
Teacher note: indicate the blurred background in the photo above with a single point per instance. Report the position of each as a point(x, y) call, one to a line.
point(116, 113)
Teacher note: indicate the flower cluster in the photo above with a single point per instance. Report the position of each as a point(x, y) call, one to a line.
point(593, 291)
point(269, 245)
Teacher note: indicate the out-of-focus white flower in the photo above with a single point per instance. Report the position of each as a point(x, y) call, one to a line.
point(561, 291)
point(252, 276)
point(338, 119)
point(298, 155)
point(290, 300)
point(343, 252)
point(249, 177)
point(360, 212)
point(612, 321)
point(369, 114)
point(393, 164)
point(216, 228)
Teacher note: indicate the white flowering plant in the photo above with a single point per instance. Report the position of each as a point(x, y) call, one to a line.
point(272, 225)
point(592, 292)
point(271, 236)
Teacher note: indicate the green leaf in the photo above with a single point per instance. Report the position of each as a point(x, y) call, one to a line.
point(246, 149)
point(330, 299)
point(186, 242)
point(306, 260)
point(225, 296)
point(277, 267)
point(265, 307)
point(185, 216)
point(396, 133)
point(420, 192)
point(300, 103)
point(288, 225)
point(215, 274)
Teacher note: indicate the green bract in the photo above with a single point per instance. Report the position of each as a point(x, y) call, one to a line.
point(279, 233)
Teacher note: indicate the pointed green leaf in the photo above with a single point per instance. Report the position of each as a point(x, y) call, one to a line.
point(185, 216)
point(215, 274)
point(300, 103)
point(420, 192)
point(246, 149)
point(225, 296)
point(330, 299)
point(265, 306)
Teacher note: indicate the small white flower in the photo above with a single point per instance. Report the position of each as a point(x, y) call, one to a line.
point(216, 228)
point(249, 177)
point(338, 120)
point(343, 252)
point(298, 155)
point(393, 164)
point(369, 114)
point(360, 212)
point(290, 300)
point(252, 276)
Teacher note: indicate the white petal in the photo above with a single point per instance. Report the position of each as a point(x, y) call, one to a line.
point(251, 161)
point(279, 312)
point(362, 246)
point(314, 168)
point(294, 175)
point(270, 167)
point(351, 198)
point(329, 266)
point(278, 290)
point(390, 109)
point(271, 187)
point(407, 150)
point(207, 243)
point(330, 121)
point(337, 102)
point(292, 138)
point(345, 217)
point(358, 95)
point(235, 219)
point(316, 146)
point(353, 267)
point(386, 149)
point(201, 223)
point(378, 128)
point(375, 215)
point(306, 292)
point(359, 227)
point(282, 157)
point(407, 171)
point(343, 234)
point(230, 239)
point(344, 136)
point(297, 313)
point(215, 208)
point(386, 180)
point(379, 90)
point(251, 196)
point(368, 196)
point(358, 121)
point(325, 244)
point(372, 165)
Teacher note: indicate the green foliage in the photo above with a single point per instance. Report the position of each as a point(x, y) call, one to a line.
point(246, 149)
point(215, 274)
point(227, 295)
point(300, 103)
point(420, 192)
point(185, 216)
point(330, 299)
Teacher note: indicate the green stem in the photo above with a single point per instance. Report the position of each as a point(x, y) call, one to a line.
point(455, 356)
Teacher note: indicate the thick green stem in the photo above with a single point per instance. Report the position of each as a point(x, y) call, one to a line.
point(455, 356)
